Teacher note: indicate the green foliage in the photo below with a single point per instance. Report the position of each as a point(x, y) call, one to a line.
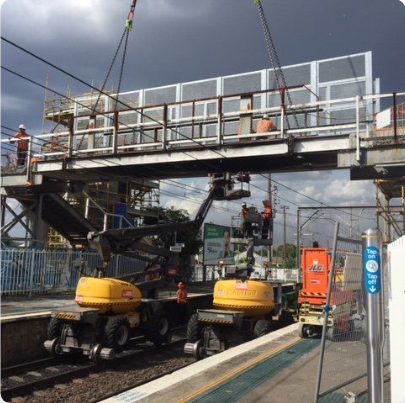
point(290, 251)
point(192, 241)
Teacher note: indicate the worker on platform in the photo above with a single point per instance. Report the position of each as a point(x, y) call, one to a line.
point(22, 145)
point(267, 215)
point(182, 302)
point(265, 125)
point(242, 215)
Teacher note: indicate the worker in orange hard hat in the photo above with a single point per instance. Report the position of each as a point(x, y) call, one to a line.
point(182, 302)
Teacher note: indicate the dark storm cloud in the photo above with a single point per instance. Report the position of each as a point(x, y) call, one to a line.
point(185, 40)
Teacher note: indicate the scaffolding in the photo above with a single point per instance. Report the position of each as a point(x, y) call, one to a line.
point(106, 204)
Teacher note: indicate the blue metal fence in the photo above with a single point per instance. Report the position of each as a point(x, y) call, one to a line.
point(28, 272)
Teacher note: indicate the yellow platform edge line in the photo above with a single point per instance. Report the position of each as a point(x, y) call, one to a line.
point(238, 371)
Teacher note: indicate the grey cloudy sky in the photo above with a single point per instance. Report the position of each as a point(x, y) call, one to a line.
point(186, 40)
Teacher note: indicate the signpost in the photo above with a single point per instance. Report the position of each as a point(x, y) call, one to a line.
point(374, 305)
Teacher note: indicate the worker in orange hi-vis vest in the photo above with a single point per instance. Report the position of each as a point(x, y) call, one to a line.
point(182, 302)
point(268, 211)
point(267, 215)
point(22, 145)
point(265, 125)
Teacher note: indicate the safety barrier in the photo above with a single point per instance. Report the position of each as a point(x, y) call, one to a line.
point(162, 127)
point(28, 272)
point(343, 356)
point(285, 275)
point(396, 295)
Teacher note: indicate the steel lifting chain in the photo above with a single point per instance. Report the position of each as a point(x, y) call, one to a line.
point(110, 68)
point(275, 61)
point(124, 36)
point(122, 68)
point(94, 109)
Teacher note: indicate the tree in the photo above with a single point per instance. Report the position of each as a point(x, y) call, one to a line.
point(192, 240)
point(291, 255)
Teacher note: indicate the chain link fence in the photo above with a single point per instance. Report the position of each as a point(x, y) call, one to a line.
point(28, 272)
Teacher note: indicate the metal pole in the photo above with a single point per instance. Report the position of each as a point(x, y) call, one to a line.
point(377, 205)
point(270, 229)
point(326, 313)
point(33, 253)
point(374, 306)
point(357, 128)
point(394, 109)
point(298, 239)
point(403, 207)
point(28, 159)
point(285, 234)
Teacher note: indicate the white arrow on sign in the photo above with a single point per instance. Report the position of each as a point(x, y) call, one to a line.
point(372, 289)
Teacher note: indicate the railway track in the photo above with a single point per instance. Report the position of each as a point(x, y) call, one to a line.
point(33, 380)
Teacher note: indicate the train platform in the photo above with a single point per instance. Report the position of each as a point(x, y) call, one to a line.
point(21, 305)
point(277, 367)
point(42, 304)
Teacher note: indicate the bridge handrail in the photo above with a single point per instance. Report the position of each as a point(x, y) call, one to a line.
point(170, 128)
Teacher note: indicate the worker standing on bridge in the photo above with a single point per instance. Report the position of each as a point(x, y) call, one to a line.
point(22, 145)
point(265, 125)
point(182, 302)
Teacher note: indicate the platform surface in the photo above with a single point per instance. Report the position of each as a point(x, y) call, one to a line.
point(278, 367)
point(43, 305)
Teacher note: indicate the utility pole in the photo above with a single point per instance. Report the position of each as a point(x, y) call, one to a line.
point(298, 253)
point(285, 233)
point(270, 230)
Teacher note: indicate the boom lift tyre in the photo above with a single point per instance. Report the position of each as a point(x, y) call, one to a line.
point(158, 330)
point(262, 327)
point(54, 328)
point(117, 332)
point(194, 329)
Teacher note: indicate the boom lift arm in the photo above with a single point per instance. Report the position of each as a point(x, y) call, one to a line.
point(131, 241)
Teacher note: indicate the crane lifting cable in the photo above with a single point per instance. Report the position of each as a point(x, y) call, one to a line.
point(275, 61)
point(124, 39)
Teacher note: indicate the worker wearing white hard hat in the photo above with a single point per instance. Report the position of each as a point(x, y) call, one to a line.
point(265, 125)
point(22, 145)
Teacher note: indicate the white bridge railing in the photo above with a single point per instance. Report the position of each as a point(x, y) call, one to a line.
point(219, 121)
point(208, 122)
